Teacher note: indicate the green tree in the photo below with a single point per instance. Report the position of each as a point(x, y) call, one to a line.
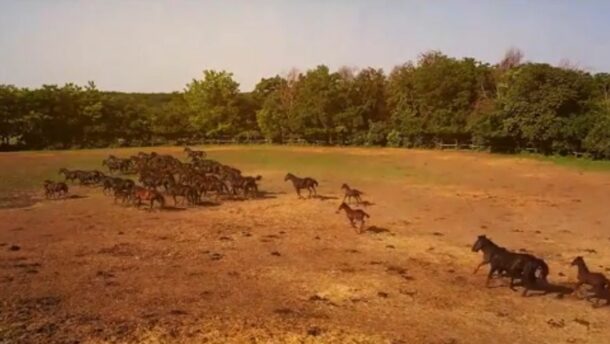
point(11, 114)
point(276, 97)
point(172, 122)
point(213, 103)
point(542, 106)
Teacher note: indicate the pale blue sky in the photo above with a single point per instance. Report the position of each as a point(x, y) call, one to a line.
point(161, 45)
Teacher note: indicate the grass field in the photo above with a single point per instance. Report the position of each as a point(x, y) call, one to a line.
point(283, 270)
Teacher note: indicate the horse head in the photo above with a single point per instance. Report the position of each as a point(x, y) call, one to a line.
point(578, 260)
point(478, 245)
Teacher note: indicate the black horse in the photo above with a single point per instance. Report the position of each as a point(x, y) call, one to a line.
point(525, 267)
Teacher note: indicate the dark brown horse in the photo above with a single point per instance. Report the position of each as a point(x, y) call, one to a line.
point(187, 192)
point(525, 267)
point(598, 282)
point(53, 189)
point(302, 183)
point(354, 215)
point(351, 193)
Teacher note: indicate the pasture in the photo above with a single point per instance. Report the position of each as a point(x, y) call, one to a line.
point(278, 269)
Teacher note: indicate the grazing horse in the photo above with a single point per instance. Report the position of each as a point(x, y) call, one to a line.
point(53, 189)
point(143, 194)
point(302, 183)
point(527, 268)
point(354, 215)
point(596, 280)
point(351, 193)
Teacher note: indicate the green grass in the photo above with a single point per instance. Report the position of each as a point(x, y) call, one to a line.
point(25, 171)
point(581, 164)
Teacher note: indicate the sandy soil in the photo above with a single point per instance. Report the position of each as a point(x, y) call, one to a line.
point(283, 270)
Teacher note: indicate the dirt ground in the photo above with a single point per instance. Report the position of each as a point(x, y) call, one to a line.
point(283, 270)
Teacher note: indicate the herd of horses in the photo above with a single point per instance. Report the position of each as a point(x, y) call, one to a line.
point(189, 182)
point(161, 176)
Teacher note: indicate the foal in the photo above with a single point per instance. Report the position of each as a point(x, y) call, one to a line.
point(302, 183)
point(351, 193)
point(53, 189)
point(596, 280)
point(354, 215)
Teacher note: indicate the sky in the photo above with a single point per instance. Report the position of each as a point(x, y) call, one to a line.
point(160, 46)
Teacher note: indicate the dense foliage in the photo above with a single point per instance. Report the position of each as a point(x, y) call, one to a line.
point(508, 107)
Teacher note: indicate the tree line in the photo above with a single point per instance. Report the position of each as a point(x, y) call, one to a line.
point(508, 106)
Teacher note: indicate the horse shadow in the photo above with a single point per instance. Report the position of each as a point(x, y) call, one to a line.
point(258, 197)
point(65, 198)
point(376, 230)
point(170, 208)
point(366, 203)
point(545, 288)
point(324, 198)
point(268, 194)
point(209, 203)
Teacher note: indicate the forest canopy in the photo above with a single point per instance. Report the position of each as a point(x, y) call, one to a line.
point(509, 106)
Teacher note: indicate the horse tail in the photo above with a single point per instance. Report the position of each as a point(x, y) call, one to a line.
point(366, 215)
point(315, 182)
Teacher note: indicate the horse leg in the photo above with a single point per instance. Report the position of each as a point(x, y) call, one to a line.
point(512, 283)
point(576, 287)
point(489, 275)
point(479, 266)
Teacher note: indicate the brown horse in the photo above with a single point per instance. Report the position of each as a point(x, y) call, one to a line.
point(302, 183)
point(354, 215)
point(598, 282)
point(140, 194)
point(351, 193)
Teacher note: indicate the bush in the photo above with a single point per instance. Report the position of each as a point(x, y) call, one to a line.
point(394, 139)
point(377, 135)
point(597, 141)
